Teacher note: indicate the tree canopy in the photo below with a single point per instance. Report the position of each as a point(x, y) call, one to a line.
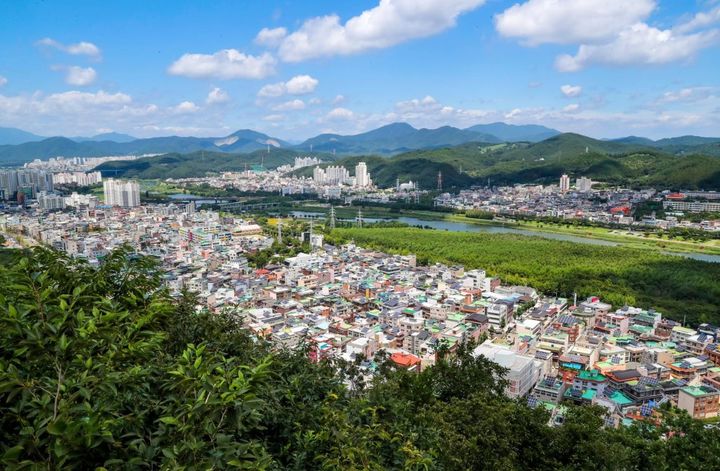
point(101, 369)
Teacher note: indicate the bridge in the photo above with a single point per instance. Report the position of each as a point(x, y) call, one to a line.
point(240, 206)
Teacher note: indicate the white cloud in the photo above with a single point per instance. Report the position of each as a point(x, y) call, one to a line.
point(3, 80)
point(217, 95)
point(79, 76)
point(570, 22)
point(571, 91)
point(341, 114)
point(290, 105)
point(298, 85)
point(274, 117)
point(639, 45)
point(83, 48)
point(391, 22)
point(301, 85)
point(338, 99)
point(686, 95)
point(186, 107)
point(700, 20)
point(225, 65)
point(571, 108)
point(270, 37)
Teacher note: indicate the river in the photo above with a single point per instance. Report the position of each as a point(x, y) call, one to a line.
point(502, 229)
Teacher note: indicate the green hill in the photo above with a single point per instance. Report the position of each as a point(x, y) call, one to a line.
point(197, 164)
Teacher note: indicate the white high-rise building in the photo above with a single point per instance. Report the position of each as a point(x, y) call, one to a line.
point(319, 175)
point(362, 177)
point(564, 184)
point(583, 184)
point(121, 193)
point(336, 175)
point(49, 201)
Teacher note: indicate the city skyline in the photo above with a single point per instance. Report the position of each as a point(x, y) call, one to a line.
point(292, 70)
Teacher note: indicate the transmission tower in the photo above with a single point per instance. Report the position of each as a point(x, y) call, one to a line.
point(279, 231)
point(332, 217)
point(439, 181)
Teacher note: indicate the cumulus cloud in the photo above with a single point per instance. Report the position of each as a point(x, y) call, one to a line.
point(270, 37)
point(608, 32)
point(225, 65)
point(186, 107)
point(291, 105)
point(217, 95)
point(78, 76)
point(391, 22)
point(639, 45)
point(338, 99)
point(298, 85)
point(571, 108)
point(570, 22)
point(3, 80)
point(83, 48)
point(340, 114)
point(571, 91)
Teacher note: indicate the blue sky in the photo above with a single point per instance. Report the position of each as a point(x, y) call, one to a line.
point(604, 68)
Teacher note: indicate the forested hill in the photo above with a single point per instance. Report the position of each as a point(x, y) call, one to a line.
point(543, 162)
point(198, 164)
point(101, 369)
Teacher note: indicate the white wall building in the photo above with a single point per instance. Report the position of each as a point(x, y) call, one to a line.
point(564, 184)
point(583, 184)
point(125, 193)
point(362, 177)
point(522, 373)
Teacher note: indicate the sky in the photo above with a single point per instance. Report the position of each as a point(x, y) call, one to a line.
point(294, 69)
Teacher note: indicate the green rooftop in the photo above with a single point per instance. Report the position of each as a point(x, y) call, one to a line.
point(592, 375)
point(620, 398)
point(699, 391)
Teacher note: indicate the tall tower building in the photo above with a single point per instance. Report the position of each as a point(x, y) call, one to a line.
point(121, 193)
point(362, 178)
point(564, 184)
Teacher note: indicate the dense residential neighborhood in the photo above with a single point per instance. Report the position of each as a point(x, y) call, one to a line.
point(351, 303)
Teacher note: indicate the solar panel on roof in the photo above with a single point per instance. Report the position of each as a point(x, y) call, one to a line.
point(646, 410)
point(609, 422)
point(615, 360)
point(532, 402)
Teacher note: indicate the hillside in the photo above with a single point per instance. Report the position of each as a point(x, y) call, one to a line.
point(103, 369)
point(543, 162)
point(198, 164)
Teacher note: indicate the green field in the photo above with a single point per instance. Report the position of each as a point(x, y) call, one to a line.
point(679, 288)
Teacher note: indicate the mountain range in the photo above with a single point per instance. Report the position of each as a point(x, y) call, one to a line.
point(392, 139)
point(464, 165)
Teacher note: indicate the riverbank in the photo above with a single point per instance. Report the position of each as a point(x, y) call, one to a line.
point(622, 237)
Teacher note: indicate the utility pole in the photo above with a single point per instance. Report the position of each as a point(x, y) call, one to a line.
point(279, 231)
point(359, 218)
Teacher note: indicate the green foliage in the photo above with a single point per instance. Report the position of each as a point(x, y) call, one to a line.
point(675, 286)
point(101, 369)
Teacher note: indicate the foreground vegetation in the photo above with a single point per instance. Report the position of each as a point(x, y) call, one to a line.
point(679, 288)
point(100, 368)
